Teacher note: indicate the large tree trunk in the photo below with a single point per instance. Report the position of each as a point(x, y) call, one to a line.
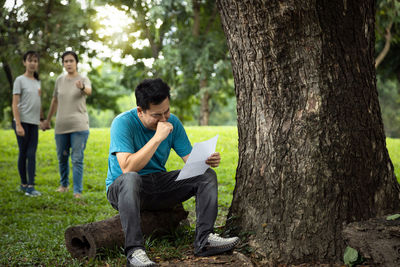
point(312, 151)
point(7, 91)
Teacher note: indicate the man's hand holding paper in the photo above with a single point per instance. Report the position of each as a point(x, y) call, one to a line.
point(203, 156)
point(214, 160)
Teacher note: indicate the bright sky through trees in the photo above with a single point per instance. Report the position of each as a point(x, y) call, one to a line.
point(113, 24)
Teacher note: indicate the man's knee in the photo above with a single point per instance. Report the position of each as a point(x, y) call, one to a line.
point(211, 172)
point(131, 181)
point(124, 189)
point(210, 175)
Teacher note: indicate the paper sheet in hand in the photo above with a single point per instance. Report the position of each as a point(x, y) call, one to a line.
point(196, 163)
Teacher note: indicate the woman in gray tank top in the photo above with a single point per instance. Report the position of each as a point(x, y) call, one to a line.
point(26, 107)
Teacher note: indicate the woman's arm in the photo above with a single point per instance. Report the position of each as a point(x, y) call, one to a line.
point(52, 110)
point(83, 87)
point(18, 126)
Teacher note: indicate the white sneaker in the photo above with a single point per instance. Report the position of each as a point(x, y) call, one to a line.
point(217, 245)
point(139, 259)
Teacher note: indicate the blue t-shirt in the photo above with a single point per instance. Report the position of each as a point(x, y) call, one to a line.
point(128, 134)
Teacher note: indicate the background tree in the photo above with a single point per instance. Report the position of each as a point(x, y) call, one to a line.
point(185, 41)
point(387, 18)
point(195, 60)
point(143, 37)
point(51, 27)
point(312, 151)
point(48, 27)
point(388, 63)
point(107, 87)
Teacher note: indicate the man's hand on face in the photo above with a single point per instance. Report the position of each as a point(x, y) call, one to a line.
point(214, 160)
point(164, 128)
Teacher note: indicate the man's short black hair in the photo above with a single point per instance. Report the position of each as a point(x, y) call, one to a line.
point(151, 91)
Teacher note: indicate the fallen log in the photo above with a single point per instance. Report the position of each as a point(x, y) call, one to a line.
point(377, 240)
point(87, 239)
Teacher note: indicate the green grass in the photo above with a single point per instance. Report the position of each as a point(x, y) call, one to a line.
point(393, 146)
point(32, 229)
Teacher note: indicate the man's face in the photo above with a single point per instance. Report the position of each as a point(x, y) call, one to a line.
point(155, 114)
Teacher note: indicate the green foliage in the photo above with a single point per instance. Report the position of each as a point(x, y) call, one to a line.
point(184, 38)
point(393, 217)
point(388, 18)
point(32, 229)
point(224, 115)
point(107, 87)
point(192, 60)
point(387, 12)
point(195, 62)
point(49, 27)
point(351, 257)
point(389, 99)
point(100, 118)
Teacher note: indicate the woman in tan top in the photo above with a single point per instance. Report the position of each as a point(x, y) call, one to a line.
point(72, 121)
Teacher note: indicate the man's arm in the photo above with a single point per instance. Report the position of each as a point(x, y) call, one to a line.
point(185, 158)
point(134, 162)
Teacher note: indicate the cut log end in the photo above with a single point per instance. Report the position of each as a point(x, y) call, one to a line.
point(79, 243)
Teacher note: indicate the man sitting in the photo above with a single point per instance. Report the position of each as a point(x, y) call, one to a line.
point(141, 141)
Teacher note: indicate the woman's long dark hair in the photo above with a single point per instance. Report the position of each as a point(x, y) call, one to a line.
point(30, 54)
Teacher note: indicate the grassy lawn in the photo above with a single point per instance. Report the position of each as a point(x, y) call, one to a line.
point(32, 229)
point(393, 146)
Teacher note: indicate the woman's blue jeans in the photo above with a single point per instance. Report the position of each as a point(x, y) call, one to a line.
point(71, 143)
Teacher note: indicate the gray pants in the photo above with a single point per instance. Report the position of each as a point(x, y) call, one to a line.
point(130, 193)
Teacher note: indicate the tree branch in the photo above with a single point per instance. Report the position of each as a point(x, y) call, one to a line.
point(196, 18)
point(211, 20)
point(385, 50)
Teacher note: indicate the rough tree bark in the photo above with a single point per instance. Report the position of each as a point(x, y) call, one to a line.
point(378, 240)
point(312, 150)
point(7, 91)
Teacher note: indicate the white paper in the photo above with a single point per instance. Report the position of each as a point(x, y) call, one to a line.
point(196, 163)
